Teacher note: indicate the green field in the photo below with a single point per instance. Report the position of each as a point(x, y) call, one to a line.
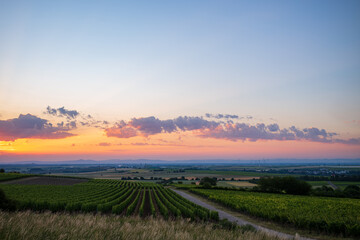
point(342, 184)
point(329, 215)
point(316, 184)
point(105, 196)
point(12, 176)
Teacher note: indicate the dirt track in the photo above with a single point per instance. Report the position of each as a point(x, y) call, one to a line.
point(45, 181)
point(332, 185)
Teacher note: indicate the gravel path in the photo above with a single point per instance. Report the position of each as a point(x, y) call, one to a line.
point(332, 185)
point(237, 220)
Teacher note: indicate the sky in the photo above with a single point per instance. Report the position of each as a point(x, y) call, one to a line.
point(178, 80)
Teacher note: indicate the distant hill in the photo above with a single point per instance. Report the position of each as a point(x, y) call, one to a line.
point(264, 162)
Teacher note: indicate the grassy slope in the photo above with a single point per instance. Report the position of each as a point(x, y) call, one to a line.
point(30, 225)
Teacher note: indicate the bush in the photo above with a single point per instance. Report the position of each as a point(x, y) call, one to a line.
point(5, 203)
point(352, 191)
point(208, 181)
point(57, 206)
point(206, 185)
point(288, 185)
point(225, 223)
point(73, 207)
point(214, 215)
point(89, 207)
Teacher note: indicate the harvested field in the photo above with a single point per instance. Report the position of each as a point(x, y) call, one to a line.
point(46, 181)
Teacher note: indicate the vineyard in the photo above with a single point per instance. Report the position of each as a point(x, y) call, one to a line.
point(107, 196)
point(330, 215)
point(12, 176)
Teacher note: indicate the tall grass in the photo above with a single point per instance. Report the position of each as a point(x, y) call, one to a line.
point(30, 225)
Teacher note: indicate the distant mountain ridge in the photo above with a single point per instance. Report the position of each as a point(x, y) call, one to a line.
point(263, 162)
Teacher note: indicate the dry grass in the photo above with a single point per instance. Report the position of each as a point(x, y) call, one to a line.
point(30, 225)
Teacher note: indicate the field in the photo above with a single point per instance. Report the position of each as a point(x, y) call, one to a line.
point(342, 184)
point(30, 225)
point(12, 176)
point(328, 215)
point(235, 184)
point(46, 181)
point(233, 174)
point(107, 196)
point(318, 183)
point(166, 173)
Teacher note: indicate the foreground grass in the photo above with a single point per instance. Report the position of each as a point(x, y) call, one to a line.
point(30, 225)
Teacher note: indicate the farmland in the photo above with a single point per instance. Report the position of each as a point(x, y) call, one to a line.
point(37, 180)
point(107, 196)
point(342, 184)
point(328, 215)
point(12, 176)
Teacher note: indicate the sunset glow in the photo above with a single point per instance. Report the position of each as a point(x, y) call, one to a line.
point(162, 81)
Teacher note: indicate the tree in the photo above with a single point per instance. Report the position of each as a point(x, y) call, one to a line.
point(5, 203)
point(289, 185)
point(352, 191)
point(2, 170)
point(208, 182)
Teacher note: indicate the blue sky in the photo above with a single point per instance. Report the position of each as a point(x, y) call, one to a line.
point(289, 62)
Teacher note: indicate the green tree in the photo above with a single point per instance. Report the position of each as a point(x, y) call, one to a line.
point(352, 191)
point(208, 182)
point(287, 184)
point(5, 203)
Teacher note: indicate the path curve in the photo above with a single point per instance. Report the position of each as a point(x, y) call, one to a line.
point(332, 185)
point(239, 221)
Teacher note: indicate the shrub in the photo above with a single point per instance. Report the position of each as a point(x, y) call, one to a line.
point(352, 191)
point(89, 207)
point(225, 223)
point(289, 185)
point(5, 203)
point(214, 215)
point(208, 181)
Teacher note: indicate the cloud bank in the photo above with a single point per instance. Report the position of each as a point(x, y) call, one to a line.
point(151, 126)
point(62, 112)
point(215, 126)
point(222, 130)
point(74, 118)
point(30, 126)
